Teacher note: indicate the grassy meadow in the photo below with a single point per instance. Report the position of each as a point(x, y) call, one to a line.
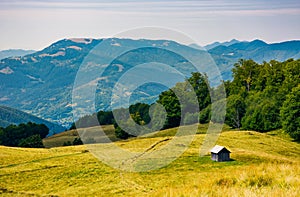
point(264, 164)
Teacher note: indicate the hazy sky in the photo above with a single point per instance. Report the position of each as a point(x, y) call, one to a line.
point(35, 24)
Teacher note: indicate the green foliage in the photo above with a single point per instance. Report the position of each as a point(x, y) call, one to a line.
point(186, 98)
point(258, 98)
point(121, 133)
point(23, 134)
point(261, 115)
point(235, 110)
point(191, 118)
point(290, 113)
point(96, 119)
point(201, 87)
point(77, 141)
point(105, 117)
point(68, 143)
point(122, 115)
point(34, 141)
point(73, 126)
point(141, 111)
point(87, 121)
point(244, 73)
point(170, 102)
point(256, 101)
point(205, 115)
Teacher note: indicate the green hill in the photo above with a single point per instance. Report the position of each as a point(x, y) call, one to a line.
point(264, 164)
point(10, 116)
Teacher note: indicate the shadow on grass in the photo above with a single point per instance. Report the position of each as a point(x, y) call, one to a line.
point(297, 141)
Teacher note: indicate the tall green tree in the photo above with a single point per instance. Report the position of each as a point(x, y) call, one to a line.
point(235, 111)
point(290, 113)
point(184, 99)
point(262, 113)
point(244, 73)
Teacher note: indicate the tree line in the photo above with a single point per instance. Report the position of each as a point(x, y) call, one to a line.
point(261, 97)
point(24, 135)
point(264, 97)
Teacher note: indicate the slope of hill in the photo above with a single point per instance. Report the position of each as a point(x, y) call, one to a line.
point(69, 136)
point(14, 53)
point(42, 83)
point(10, 116)
point(262, 165)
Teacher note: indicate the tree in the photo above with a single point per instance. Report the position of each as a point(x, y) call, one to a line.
point(262, 113)
point(205, 115)
point(188, 97)
point(235, 110)
point(142, 110)
point(170, 102)
point(73, 126)
point(290, 113)
point(244, 72)
point(121, 115)
point(191, 118)
point(201, 87)
point(105, 117)
point(14, 135)
point(77, 141)
point(33, 141)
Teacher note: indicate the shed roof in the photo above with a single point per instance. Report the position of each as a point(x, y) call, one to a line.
point(217, 149)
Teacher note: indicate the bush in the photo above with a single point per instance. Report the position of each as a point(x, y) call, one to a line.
point(68, 143)
point(25, 135)
point(205, 115)
point(190, 118)
point(77, 141)
point(33, 141)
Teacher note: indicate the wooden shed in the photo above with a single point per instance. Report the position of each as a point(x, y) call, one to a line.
point(220, 153)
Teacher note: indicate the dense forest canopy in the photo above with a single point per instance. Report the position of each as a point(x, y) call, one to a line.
point(24, 135)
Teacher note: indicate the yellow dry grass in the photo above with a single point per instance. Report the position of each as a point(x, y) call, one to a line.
point(263, 165)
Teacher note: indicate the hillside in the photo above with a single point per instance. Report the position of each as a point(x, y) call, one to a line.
point(263, 165)
point(14, 53)
point(10, 116)
point(69, 136)
point(41, 83)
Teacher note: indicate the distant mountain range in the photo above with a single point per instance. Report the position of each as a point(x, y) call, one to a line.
point(10, 116)
point(216, 44)
point(41, 83)
point(14, 53)
point(257, 50)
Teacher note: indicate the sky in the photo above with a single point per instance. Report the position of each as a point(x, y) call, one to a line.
point(35, 24)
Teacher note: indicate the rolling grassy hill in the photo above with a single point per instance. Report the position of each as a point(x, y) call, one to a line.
point(264, 164)
point(59, 139)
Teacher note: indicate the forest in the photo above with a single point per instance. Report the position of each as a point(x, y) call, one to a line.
point(260, 97)
point(24, 135)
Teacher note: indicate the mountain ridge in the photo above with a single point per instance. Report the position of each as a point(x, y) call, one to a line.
point(226, 43)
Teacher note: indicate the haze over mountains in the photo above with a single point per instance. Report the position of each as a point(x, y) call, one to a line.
point(41, 83)
point(14, 52)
